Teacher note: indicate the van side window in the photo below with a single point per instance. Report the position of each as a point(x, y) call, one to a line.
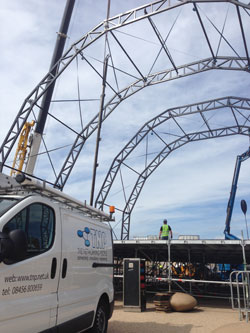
point(38, 222)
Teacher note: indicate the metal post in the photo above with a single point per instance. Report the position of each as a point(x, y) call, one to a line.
point(189, 258)
point(45, 104)
point(156, 266)
point(169, 266)
point(98, 138)
point(245, 288)
point(243, 252)
point(246, 227)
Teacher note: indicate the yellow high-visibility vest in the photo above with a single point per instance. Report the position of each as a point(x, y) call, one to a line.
point(165, 230)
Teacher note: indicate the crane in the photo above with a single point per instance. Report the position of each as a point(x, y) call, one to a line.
point(46, 100)
point(22, 147)
point(230, 205)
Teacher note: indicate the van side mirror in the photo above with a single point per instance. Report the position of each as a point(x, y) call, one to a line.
point(19, 240)
point(6, 247)
point(13, 246)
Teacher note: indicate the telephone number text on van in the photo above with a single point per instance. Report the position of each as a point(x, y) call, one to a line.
point(27, 289)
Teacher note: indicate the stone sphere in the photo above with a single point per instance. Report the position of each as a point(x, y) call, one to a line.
point(182, 302)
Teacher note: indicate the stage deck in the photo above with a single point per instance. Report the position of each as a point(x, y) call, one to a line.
point(195, 251)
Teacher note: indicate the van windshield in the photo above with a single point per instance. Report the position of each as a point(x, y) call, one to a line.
point(6, 203)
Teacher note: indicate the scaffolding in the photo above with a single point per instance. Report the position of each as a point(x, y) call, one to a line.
point(198, 267)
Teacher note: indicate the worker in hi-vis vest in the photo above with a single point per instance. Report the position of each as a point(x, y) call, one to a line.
point(165, 231)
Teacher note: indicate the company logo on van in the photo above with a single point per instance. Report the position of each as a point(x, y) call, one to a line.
point(93, 238)
point(84, 234)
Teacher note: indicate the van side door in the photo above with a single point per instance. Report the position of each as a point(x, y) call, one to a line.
point(28, 294)
point(81, 285)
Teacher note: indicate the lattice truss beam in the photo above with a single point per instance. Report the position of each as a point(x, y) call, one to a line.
point(126, 80)
point(189, 123)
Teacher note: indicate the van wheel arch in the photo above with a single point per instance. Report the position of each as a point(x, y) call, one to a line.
point(105, 300)
point(101, 316)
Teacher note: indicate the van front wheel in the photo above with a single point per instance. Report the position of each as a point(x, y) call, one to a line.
point(101, 320)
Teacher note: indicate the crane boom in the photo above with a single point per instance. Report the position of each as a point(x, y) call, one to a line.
point(230, 205)
point(45, 104)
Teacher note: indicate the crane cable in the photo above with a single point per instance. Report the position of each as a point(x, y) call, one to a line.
point(78, 92)
point(164, 42)
point(222, 31)
point(222, 36)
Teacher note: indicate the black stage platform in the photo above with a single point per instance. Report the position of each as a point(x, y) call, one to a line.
point(203, 251)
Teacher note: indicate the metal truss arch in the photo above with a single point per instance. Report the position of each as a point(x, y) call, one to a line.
point(190, 137)
point(111, 24)
point(234, 103)
point(240, 125)
point(223, 63)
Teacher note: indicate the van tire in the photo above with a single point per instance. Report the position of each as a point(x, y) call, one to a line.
point(101, 320)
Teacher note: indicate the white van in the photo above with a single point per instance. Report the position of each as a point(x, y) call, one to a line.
point(56, 262)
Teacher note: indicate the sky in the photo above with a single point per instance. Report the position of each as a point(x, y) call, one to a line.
point(191, 187)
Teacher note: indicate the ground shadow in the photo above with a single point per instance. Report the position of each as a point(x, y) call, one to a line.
point(152, 309)
point(196, 310)
point(118, 306)
point(149, 327)
point(224, 303)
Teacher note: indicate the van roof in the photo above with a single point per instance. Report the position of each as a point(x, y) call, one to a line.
point(8, 185)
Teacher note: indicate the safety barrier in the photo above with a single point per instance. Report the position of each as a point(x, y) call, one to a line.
point(240, 298)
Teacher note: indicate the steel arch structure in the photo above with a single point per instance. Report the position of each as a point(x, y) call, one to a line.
point(221, 63)
point(31, 103)
point(238, 107)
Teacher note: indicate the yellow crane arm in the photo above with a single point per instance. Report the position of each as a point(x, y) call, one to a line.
point(21, 151)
